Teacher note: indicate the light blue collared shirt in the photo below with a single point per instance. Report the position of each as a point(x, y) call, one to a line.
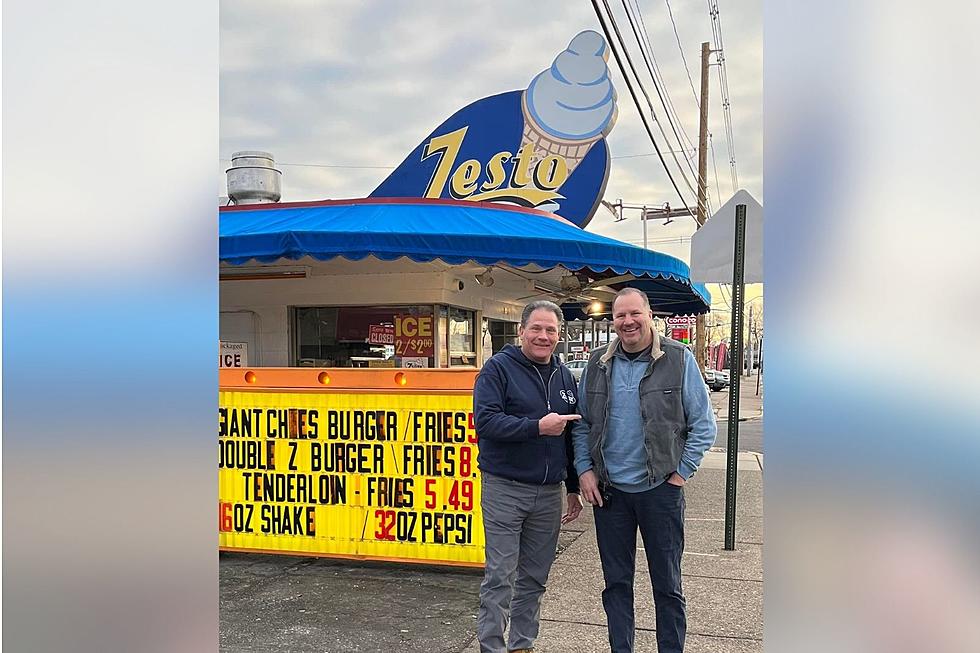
point(623, 448)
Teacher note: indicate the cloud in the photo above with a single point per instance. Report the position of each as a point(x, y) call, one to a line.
point(360, 84)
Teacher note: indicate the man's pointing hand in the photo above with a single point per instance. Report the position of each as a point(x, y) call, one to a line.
point(554, 424)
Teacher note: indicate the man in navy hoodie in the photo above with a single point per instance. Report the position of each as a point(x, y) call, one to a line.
point(525, 401)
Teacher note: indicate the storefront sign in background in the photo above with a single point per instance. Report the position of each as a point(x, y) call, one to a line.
point(681, 335)
point(681, 322)
point(680, 328)
point(383, 476)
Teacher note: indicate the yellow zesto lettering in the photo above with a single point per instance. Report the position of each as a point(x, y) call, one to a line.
point(551, 172)
point(522, 176)
point(535, 183)
point(447, 147)
point(464, 179)
point(495, 171)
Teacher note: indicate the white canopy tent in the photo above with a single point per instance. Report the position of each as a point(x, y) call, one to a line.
point(713, 245)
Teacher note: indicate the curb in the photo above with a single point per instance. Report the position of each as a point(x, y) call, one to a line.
point(751, 418)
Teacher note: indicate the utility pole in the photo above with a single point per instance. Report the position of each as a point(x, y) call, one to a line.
point(700, 346)
point(643, 219)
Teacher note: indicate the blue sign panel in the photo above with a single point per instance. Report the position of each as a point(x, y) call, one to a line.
point(543, 147)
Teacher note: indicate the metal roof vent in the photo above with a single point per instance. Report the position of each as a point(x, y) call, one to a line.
point(253, 178)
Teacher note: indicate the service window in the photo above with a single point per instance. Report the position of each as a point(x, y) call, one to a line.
point(364, 336)
point(462, 337)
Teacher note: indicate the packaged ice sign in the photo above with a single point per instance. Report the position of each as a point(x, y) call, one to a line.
point(542, 147)
point(233, 354)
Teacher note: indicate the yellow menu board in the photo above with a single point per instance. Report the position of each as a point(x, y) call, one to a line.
point(371, 475)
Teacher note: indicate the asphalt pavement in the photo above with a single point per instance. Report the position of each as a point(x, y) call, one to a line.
point(749, 435)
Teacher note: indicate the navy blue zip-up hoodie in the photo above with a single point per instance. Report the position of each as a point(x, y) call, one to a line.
point(509, 398)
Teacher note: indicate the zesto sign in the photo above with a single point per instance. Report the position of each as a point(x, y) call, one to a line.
point(541, 147)
point(385, 475)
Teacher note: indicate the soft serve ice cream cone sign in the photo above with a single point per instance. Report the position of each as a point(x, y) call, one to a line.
point(543, 147)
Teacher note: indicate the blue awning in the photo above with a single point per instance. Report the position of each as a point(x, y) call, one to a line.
point(665, 297)
point(453, 232)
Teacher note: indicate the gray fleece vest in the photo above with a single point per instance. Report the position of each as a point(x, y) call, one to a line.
point(661, 405)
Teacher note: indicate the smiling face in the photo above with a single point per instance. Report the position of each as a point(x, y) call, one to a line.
point(633, 322)
point(540, 335)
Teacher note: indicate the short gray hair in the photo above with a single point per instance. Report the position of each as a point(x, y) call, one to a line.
point(628, 291)
point(542, 304)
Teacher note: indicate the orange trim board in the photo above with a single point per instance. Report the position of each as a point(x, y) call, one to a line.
point(368, 558)
point(348, 391)
point(345, 378)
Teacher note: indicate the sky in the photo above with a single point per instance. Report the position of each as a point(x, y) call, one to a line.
point(339, 92)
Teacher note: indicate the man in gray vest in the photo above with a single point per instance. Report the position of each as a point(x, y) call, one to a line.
point(646, 423)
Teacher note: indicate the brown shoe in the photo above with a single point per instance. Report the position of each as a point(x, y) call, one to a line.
point(522, 650)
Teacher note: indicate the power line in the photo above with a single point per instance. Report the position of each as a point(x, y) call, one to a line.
point(723, 82)
point(694, 93)
point(656, 86)
point(728, 302)
point(356, 167)
point(661, 88)
point(680, 240)
point(634, 156)
point(636, 100)
point(714, 164)
point(324, 165)
point(329, 165)
point(683, 57)
point(659, 77)
point(668, 104)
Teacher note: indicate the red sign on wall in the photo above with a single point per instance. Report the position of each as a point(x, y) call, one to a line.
point(414, 335)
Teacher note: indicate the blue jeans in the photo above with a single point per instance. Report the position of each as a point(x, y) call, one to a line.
point(659, 515)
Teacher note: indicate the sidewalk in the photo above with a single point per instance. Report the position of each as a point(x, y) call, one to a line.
point(723, 588)
point(278, 603)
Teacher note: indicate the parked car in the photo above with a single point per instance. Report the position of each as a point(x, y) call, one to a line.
point(576, 367)
point(716, 379)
